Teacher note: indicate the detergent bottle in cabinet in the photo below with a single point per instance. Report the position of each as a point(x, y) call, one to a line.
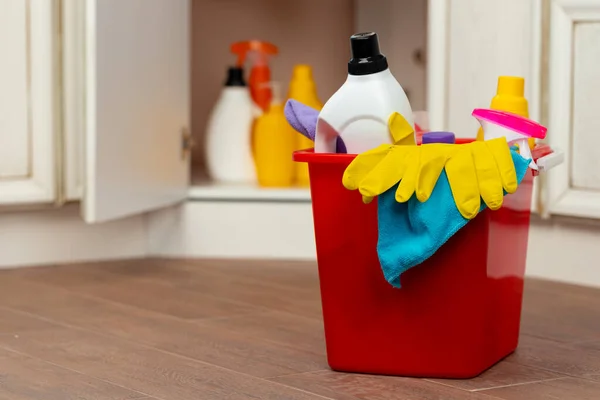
point(228, 133)
point(303, 89)
point(273, 146)
point(359, 111)
point(510, 97)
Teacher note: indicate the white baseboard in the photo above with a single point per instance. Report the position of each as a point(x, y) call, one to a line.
point(558, 250)
point(60, 236)
point(565, 250)
point(231, 229)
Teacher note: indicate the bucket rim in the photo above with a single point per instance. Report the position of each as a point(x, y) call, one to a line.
point(309, 155)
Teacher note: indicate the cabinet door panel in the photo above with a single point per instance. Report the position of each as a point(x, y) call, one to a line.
point(137, 105)
point(574, 119)
point(28, 109)
point(586, 112)
point(14, 116)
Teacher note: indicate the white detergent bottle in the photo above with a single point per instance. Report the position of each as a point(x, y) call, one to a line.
point(228, 136)
point(359, 111)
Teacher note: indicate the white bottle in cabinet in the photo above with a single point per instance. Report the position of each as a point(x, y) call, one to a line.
point(228, 134)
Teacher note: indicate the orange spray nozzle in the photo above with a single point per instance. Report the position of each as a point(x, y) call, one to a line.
point(260, 75)
point(257, 48)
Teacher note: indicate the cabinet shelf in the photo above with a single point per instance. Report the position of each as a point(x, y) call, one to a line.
point(210, 191)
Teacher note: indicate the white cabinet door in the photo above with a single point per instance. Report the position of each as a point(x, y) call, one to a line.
point(573, 107)
point(28, 110)
point(136, 106)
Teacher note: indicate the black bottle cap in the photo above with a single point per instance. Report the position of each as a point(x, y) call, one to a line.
point(235, 77)
point(366, 57)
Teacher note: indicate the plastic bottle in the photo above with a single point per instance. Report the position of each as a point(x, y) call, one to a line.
point(229, 151)
point(258, 53)
point(358, 112)
point(273, 146)
point(510, 97)
point(303, 89)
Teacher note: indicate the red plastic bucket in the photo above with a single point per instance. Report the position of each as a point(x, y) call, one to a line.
point(456, 314)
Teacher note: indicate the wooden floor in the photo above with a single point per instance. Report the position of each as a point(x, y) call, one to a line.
point(202, 330)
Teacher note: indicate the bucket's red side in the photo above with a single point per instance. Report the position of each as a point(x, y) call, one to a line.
point(455, 315)
point(507, 256)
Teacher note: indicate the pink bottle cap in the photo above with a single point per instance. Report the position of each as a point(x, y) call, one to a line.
point(514, 122)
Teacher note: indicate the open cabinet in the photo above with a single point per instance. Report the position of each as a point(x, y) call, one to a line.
point(141, 77)
point(115, 93)
point(125, 87)
point(102, 99)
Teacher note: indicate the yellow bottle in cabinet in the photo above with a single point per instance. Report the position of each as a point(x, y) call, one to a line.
point(510, 97)
point(273, 148)
point(303, 89)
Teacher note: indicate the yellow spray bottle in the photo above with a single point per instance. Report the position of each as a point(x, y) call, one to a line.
point(303, 89)
point(273, 145)
point(510, 97)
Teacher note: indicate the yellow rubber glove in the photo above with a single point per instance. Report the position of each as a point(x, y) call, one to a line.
point(481, 170)
point(393, 167)
point(424, 171)
point(362, 165)
point(402, 132)
point(417, 168)
point(478, 170)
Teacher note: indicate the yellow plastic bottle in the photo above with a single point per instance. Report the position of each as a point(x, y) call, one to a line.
point(273, 147)
point(303, 89)
point(510, 97)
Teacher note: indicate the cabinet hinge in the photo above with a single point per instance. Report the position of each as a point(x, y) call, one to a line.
point(187, 142)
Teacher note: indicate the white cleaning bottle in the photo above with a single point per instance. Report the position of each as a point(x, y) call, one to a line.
point(358, 112)
point(229, 143)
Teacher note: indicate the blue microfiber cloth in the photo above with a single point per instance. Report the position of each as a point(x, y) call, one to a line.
point(411, 232)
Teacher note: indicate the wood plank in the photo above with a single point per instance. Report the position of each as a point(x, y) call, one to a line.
point(560, 312)
point(179, 329)
point(298, 300)
point(556, 357)
point(15, 324)
point(144, 369)
point(501, 374)
point(564, 388)
point(193, 284)
point(302, 275)
point(228, 348)
point(558, 288)
point(26, 378)
point(340, 386)
point(152, 295)
point(290, 286)
point(297, 275)
point(284, 328)
point(588, 346)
